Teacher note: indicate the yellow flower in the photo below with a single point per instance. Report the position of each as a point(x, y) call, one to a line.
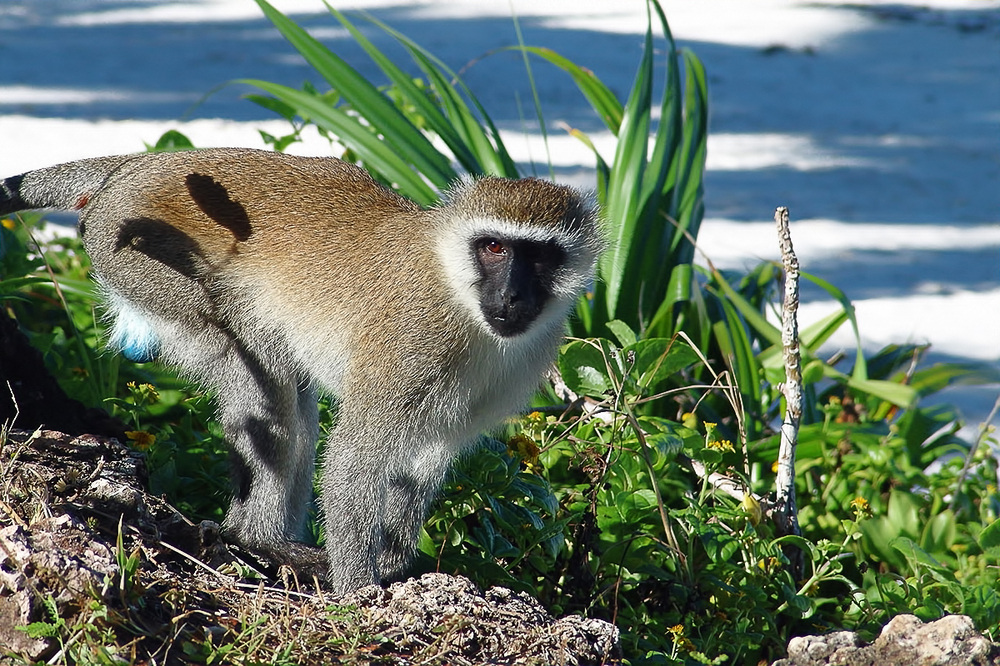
point(8, 223)
point(680, 640)
point(524, 448)
point(769, 564)
point(143, 394)
point(721, 444)
point(861, 508)
point(141, 439)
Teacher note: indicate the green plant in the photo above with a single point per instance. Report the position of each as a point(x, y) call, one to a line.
point(82, 638)
point(52, 627)
point(494, 510)
point(664, 534)
point(45, 282)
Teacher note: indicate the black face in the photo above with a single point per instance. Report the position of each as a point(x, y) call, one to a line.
point(516, 280)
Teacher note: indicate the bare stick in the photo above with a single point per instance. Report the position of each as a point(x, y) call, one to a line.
point(785, 513)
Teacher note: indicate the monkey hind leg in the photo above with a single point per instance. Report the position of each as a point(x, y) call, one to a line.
point(271, 425)
point(269, 415)
point(270, 420)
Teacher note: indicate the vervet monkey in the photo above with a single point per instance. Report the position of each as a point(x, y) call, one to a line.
point(267, 277)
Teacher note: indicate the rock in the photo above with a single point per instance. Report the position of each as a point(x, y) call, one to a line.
point(48, 553)
point(56, 558)
point(448, 617)
point(904, 641)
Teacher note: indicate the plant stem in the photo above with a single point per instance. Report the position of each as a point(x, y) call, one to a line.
point(984, 429)
point(785, 513)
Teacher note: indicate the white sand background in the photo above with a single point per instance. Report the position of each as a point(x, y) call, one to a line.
point(878, 124)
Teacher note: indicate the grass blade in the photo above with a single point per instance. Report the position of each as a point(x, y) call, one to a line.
point(404, 138)
point(486, 145)
point(377, 154)
point(619, 266)
point(601, 99)
point(431, 112)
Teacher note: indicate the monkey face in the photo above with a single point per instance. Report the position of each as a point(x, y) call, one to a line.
point(515, 280)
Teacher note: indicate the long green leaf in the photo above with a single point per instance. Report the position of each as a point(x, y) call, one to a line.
point(489, 147)
point(668, 132)
point(860, 366)
point(622, 202)
point(810, 339)
point(734, 340)
point(602, 168)
point(751, 314)
point(536, 100)
point(654, 263)
point(941, 375)
point(404, 138)
point(376, 154)
point(898, 394)
point(433, 115)
point(601, 99)
point(693, 155)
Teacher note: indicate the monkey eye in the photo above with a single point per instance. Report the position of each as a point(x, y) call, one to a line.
point(495, 247)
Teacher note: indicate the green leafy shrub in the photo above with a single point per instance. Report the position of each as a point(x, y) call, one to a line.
point(664, 534)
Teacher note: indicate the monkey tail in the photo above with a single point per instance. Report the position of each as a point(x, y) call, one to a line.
point(10, 195)
point(66, 186)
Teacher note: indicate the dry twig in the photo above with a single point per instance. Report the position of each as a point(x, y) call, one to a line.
point(785, 512)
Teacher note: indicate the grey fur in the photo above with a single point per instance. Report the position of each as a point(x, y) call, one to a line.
point(267, 277)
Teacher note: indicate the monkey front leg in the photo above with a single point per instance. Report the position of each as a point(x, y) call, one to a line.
point(353, 494)
point(410, 492)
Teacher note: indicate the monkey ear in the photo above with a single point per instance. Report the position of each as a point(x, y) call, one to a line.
point(456, 191)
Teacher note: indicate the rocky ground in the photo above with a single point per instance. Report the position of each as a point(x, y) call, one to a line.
point(904, 641)
point(89, 561)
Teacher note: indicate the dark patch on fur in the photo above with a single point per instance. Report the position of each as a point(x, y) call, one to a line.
point(10, 195)
point(261, 433)
point(240, 473)
point(213, 199)
point(162, 242)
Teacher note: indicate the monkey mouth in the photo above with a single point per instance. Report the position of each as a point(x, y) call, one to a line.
point(508, 327)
